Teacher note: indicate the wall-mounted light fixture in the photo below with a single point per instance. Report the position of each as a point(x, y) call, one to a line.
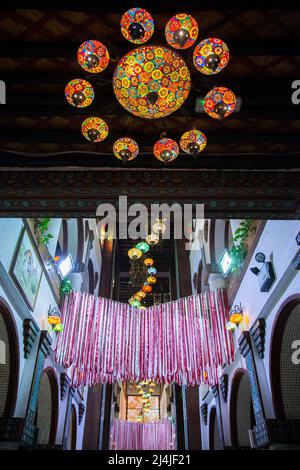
point(266, 274)
point(225, 262)
point(65, 266)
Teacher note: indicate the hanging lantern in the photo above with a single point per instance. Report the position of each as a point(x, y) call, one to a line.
point(140, 294)
point(137, 25)
point(134, 302)
point(152, 271)
point(94, 129)
point(93, 56)
point(151, 82)
point(159, 226)
point(151, 279)
point(125, 149)
point(152, 239)
point(219, 102)
point(148, 262)
point(79, 93)
point(211, 56)
point(146, 288)
point(53, 319)
point(166, 150)
point(181, 31)
point(193, 142)
point(143, 246)
point(134, 253)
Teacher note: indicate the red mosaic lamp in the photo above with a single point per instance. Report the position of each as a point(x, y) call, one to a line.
point(181, 31)
point(79, 93)
point(211, 56)
point(166, 150)
point(137, 25)
point(93, 56)
point(219, 102)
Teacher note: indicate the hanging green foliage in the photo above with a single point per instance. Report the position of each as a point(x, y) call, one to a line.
point(239, 250)
point(65, 287)
point(43, 228)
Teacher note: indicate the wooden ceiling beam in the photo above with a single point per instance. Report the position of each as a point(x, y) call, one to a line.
point(282, 46)
point(118, 6)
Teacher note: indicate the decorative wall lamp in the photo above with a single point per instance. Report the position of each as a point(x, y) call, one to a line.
point(54, 319)
point(237, 319)
point(266, 274)
point(65, 266)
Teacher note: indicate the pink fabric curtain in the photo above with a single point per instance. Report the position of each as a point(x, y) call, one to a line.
point(184, 341)
point(127, 435)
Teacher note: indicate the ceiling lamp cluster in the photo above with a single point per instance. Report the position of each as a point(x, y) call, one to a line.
point(153, 81)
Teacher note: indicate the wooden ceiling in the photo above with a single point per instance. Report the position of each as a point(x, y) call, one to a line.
point(38, 57)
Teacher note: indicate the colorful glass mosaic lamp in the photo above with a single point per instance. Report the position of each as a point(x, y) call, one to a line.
point(153, 81)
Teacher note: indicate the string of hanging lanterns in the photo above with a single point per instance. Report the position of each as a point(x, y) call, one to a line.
point(153, 81)
point(139, 251)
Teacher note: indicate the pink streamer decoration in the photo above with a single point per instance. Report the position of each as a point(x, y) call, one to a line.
point(127, 435)
point(183, 341)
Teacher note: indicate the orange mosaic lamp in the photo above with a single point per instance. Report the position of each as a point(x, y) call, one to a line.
point(181, 31)
point(79, 93)
point(94, 129)
point(151, 82)
point(126, 149)
point(93, 56)
point(193, 142)
point(148, 262)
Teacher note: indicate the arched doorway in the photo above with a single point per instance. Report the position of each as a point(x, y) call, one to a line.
point(214, 436)
point(47, 409)
point(241, 410)
point(9, 362)
point(285, 373)
point(72, 432)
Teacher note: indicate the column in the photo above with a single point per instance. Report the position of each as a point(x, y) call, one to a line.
point(96, 431)
point(190, 395)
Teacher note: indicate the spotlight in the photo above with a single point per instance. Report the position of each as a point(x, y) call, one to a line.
point(225, 262)
point(65, 266)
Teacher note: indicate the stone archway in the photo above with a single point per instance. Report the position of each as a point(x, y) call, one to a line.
point(241, 410)
point(284, 362)
point(72, 432)
point(47, 409)
point(9, 362)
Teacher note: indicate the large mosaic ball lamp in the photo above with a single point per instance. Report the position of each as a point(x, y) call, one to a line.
point(211, 56)
point(94, 129)
point(151, 82)
point(181, 31)
point(126, 149)
point(193, 142)
point(79, 93)
point(219, 102)
point(166, 150)
point(137, 25)
point(93, 56)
